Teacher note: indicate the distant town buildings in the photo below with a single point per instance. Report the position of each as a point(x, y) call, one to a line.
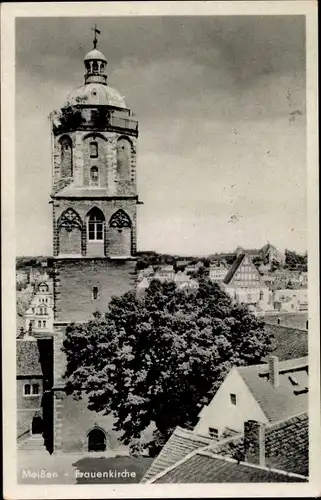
point(291, 300)
point(244, 284)
point(39, 315)
point(263, 290)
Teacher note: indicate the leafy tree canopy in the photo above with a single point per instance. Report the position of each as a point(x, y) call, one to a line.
point(296, 261)
point(158, 358)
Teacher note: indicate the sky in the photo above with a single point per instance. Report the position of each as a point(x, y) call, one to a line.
point(221, 107)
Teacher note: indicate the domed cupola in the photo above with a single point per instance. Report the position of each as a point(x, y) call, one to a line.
point(95, 64)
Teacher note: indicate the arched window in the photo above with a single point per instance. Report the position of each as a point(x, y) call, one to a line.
point(123, 158)
point(66, 156)
point(69, 219)
point(93, 149)
point(95, 67)
point(94, 176)
point(96, 222)
point(119, 220)
point(96, 440)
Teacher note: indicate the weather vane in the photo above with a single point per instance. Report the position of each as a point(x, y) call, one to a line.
point(96, 31)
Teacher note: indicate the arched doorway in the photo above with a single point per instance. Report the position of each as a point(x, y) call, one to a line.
point(96, 440)
point(37, 425)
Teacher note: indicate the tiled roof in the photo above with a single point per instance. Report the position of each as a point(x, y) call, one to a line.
point(183, 441)
point(178, 446)
point(287, 445)
point(27, 356)
point(203, 467)
point(286, 400)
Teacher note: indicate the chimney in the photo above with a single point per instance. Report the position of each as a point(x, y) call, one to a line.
point(274, 370)
point(254, 442)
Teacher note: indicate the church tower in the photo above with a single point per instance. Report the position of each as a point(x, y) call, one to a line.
point(94, 200)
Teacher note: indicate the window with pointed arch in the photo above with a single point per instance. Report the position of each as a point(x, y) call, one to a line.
point(94, 176)
point(93, 149)
point(96, 222)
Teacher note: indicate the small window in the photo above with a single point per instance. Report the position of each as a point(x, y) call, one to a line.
point(27, 389)
point(94, 177)
point(213, 432)
point(95, 293)
point(44, 324)
point(35, 389)
point(233, 399)
point(39, 324)
point(93, 147)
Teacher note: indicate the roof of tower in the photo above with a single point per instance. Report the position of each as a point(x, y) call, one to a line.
point(96, 94)
point(95, 55)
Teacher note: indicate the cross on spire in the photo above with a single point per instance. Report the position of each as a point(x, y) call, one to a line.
point(96, 31)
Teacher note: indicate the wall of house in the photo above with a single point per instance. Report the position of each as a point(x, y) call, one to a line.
point(27, 406)
point(221, 413)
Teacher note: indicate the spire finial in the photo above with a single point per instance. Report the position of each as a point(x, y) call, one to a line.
point(96, 31)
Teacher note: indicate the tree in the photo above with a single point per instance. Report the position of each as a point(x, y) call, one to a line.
point(296, 261)
point(274, 265)
point(158, 358)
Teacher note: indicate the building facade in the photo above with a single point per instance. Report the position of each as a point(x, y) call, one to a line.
point(39, 315)
point(94, 201)
point(245, 285)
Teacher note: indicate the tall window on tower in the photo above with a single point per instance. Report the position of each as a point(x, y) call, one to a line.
point(123, 158)
point(93, 149)
point(94, 176)
point(66, 156)
point(96, 222)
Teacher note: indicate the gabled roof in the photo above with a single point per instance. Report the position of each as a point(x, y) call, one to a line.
point(203, 467)
point(236, 264)
point(27, 356)
point(287, 399)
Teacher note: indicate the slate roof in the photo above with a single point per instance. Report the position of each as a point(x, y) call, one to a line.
point(27, 356)
point(284, 401)
point(287, 445)
point(178, 446)
point(203, 467)
point(286, 449)
point(183, 441)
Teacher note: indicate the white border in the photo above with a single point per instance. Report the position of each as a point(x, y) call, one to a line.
point(9, 12)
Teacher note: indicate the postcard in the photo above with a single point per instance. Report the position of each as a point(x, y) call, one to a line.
point(160, 249)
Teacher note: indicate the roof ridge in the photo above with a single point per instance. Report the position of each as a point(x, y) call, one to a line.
point(248, 464)
point(278, 422)
point(181, 432)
